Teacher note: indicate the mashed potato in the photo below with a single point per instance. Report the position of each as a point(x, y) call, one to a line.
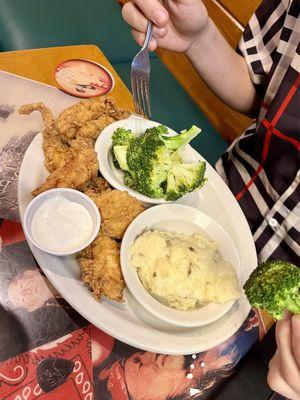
point(183, 271)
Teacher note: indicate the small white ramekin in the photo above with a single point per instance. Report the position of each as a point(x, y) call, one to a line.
point(72, 195)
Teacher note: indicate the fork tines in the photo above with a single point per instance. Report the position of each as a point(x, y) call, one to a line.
point(141, 95)
point(140, 75)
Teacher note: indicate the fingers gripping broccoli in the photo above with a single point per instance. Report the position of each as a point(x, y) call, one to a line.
point(275, 287)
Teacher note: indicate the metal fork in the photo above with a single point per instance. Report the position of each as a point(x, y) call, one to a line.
point(140, 74)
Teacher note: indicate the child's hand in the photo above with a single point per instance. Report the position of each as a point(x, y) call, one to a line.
point(177, 23)
point(284, 368)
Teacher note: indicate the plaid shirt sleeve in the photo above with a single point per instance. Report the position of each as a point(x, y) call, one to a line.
point(260, 39)
point(262, 166)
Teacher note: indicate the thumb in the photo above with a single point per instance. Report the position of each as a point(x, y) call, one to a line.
point(296, 337)
point(153, 11)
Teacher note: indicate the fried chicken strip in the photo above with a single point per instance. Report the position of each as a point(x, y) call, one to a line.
point(55, 151)
point(93, 128)
point(101, 269)
point(80, 167)
point(117, 210)
point(120, 113)
point(96, 186)
point(80, 114)
point(88, 118)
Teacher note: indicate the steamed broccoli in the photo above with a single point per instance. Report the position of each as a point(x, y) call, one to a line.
point(121, 137)
point(184, 178)
point(274, 286)
point(149, 160)
point(129, 180)
point(174, 142)
point(181, 140)
point(120, 153)
point(152, 160)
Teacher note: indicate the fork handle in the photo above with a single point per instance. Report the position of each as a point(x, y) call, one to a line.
point(148, 36)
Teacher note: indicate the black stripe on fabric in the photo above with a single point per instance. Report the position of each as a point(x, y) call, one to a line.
point(282, 164)
point(295, 235)
point(286, 34)
point(275, 58)
point(258, 183)
point(285, 253)
point(264, 193)
point(252, 50)
point(263, 238)
point(247, 35)
point(255, 143)
point(274, 29)
point(265, 10)
point(236, 184)
point(234, 179)
point(257, 67)
point(251, 211)
point(289, 79)
point(293, 199)
point(290, 123)
point(295, 9)
point(268, 232)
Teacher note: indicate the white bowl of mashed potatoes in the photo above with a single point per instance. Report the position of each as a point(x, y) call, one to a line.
point(180, 265)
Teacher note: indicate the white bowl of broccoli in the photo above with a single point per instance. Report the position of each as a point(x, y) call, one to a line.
point(148, 160)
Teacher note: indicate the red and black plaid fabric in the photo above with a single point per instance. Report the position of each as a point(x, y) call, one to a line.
point(262, 166)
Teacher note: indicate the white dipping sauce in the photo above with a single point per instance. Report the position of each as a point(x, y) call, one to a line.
point(61, 225)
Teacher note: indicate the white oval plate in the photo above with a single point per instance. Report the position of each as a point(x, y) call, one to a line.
point(129, 322)
point(186, 220)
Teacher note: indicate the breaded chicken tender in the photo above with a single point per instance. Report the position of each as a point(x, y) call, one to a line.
point(100, 267)
point(56, 152)
point(97, 185)
point(92, 128)
point(84, 119)
point(81, 167)
point(117, 210)
point(119, 113)
point(88, 118)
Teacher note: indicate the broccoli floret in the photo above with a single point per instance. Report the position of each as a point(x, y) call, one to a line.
point(174, 142)
point(149, 160)
point(176, 158)
point(158, 130)
point(120, 137)
point(184, 178)
point(181, 140)
point(274, 286)
point(129, 180)
point(120, 153)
